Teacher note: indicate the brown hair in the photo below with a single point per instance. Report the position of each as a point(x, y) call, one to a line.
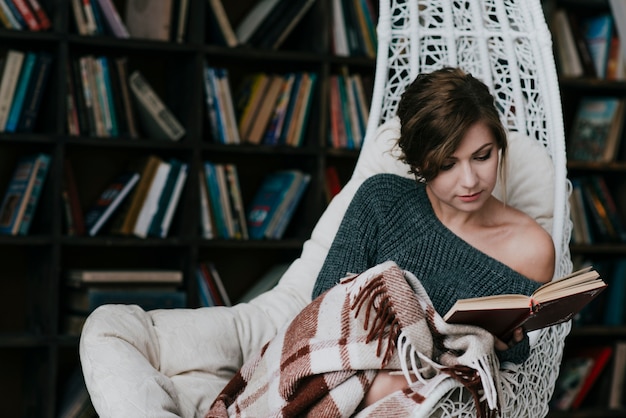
point(436, 111)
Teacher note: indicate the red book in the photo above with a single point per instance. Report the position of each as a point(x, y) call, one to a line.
point(40, 14)
point(601, 356)
point(27, 15)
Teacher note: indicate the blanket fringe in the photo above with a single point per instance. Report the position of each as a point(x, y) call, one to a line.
point(384, 327)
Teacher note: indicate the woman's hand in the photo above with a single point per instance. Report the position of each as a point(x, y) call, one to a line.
point(518, 335)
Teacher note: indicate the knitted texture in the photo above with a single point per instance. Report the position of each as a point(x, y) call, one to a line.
point(390, 218)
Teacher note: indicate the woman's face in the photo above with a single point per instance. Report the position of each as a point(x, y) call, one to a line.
point(467, 178)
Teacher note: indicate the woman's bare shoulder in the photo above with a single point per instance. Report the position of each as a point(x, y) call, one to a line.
point(533, 247)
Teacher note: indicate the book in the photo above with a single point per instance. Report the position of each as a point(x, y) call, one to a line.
point(597, 129)
point(600, 355)
point(113, 19)
point(8, 83)
point(298, 119)
point(236, 201)
point(614, 311)
point(40, 14)
point(269, 198)
point(254, 18)
point(80, 277)
point(157, 120)
point(180, 27)
point(597, 31)
point(35, 92)
point(266, 108)
point(617, 396)
point(213, 192)
point(168, 200)
point(150, 204)
point(24, 81)
point(18, 193)
point(147, 168)
point(252, 102)
point(109, 201)
point(226, 32)
point(572, 375)
point(23, 9)
point(551, 304)
point(282, 21)
point(85, 299)
point(127, 109)
point(281, 219)
point(149, 19)
point(10, 17)
point(74, 211)
point(206, 224)
point(215, 285)
point(32, 202)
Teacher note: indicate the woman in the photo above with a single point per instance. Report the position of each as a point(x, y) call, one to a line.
point(448, 231)
point(446, 228)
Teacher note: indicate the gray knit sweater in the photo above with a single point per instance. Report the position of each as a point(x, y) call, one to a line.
point(390, 218)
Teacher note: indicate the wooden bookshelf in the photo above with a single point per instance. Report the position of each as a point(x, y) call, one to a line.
point(37, 354)
point(591, 329)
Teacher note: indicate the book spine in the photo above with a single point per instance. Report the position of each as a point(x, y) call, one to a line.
point(8, 84)
point(20, 92)
point(34, 95)
point(33, 199)
point(27, 14)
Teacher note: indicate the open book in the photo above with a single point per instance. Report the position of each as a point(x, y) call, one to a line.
point(552, 303)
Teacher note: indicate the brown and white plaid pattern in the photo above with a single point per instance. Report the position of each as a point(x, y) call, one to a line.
point(324, 362)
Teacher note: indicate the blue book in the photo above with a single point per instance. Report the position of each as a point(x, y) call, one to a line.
point(18, 193)
point(614, 313)
point(108, 202)
point(214, 200)
point(103, 62)
point(34, 94)
point(33, 199)
point(284, 215)
point(597, 31)
point(267, 200)
point(20, 92)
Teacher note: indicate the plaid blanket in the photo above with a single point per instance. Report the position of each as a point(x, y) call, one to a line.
point(324, 361)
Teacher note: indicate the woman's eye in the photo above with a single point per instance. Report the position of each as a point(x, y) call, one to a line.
point(484, 157)
point(447, 166)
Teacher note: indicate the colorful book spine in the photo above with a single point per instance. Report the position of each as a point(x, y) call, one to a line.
point(33, 199)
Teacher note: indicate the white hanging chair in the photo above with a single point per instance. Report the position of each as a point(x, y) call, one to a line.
point(174, 362)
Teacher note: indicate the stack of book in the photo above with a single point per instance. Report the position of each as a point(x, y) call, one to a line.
point(24, 15)
point(220, 109)
point(590, 45)
point(89, 288)
point(594, 212)
point(275, 203)
point(143, 199)
point(349, 110)
point(23, 79)
point(274, 109)
point(23, 193)
point(105, 101)
point(211, 288)
point(222, 208)
point(354, 28)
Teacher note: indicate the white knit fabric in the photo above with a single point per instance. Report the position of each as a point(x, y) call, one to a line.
point(170, 363)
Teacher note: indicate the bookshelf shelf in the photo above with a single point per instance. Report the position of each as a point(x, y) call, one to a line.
point(591, 328)
point(38, 354)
